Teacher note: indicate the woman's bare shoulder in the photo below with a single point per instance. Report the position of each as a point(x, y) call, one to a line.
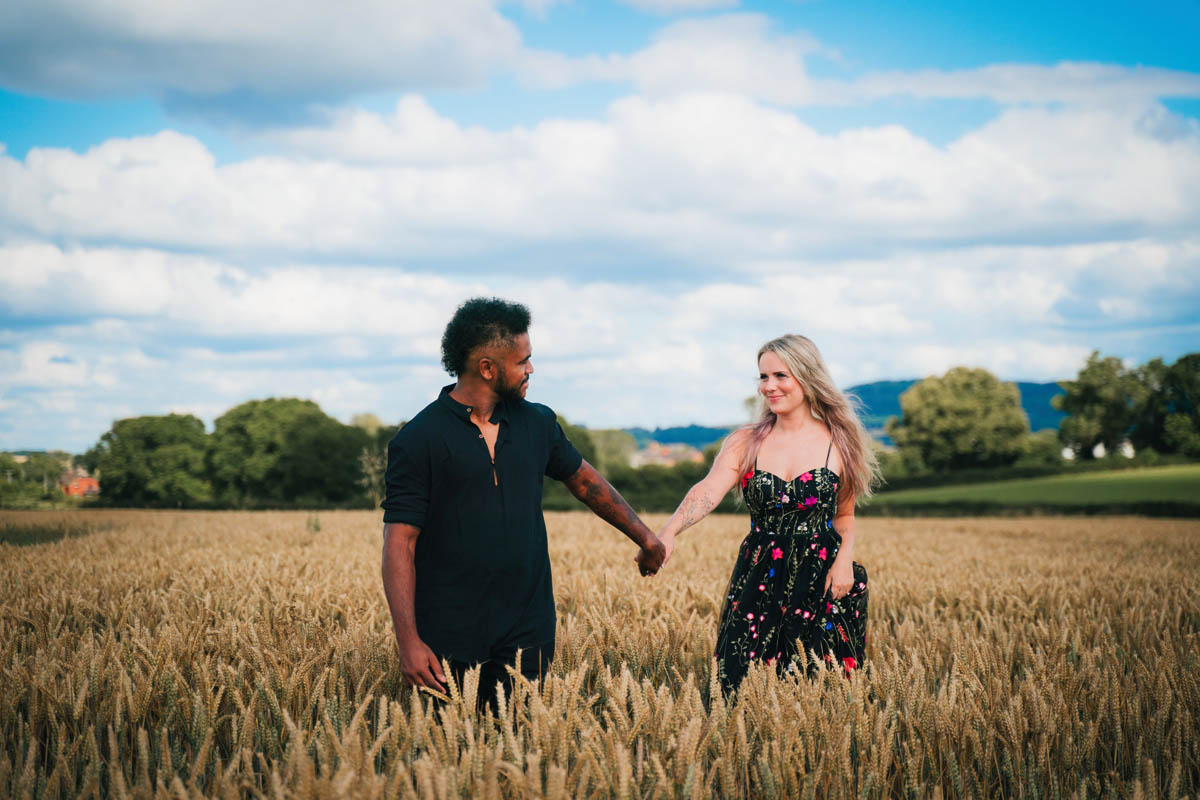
point(738, 440)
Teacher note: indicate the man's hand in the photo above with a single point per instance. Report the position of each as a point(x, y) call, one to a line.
point(651, 557)
point(420, 666)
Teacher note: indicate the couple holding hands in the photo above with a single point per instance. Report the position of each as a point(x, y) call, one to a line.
point(466, 568)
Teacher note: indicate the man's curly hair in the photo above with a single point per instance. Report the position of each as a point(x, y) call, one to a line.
point(480, 321)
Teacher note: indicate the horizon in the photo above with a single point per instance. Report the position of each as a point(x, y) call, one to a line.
point(209, 423)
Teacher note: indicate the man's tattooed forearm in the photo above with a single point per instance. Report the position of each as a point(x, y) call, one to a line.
point(598, 494)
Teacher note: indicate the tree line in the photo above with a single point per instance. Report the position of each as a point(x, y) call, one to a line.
point(969, 419)
point(273, 453)
point(287, 453)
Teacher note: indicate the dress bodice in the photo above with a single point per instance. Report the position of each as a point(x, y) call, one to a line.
point(806, 503)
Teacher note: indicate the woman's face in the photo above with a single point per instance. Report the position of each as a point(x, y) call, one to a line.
point(783, 392)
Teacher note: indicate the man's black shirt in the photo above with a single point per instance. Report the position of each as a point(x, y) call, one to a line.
point(482, 566)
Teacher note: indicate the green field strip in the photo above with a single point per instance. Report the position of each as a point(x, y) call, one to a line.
point(1151, 484)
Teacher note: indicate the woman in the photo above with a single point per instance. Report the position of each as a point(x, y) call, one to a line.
point(795, 590)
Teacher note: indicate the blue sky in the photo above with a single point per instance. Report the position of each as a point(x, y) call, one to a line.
point(199, 208)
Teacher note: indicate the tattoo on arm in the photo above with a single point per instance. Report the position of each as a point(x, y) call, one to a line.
point(590, 487)
point(695, 506)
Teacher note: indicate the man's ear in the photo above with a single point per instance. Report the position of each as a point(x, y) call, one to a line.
point(487, 368)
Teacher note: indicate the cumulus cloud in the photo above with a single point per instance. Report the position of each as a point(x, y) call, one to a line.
point(746, 55)
point(701, 178)
point(678, 6)
point(1075, 82)
point(228, 52)
point(737, 53)
point(363, 338)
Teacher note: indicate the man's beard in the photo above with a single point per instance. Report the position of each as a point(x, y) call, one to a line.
point(505, 391)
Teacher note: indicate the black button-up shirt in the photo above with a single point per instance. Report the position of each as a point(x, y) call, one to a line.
point(482, 565)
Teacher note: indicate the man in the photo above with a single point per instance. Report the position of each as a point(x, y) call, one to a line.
point(465, 564)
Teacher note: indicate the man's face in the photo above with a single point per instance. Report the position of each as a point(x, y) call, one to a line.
point(514, 366)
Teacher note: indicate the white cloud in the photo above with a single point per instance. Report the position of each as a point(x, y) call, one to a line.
point(227, 49)
point(702, 177)
point(48, 364)
point(746, 55)
point(606, 352)
point(678, 6)
point(736, 53)
point(1076, 82)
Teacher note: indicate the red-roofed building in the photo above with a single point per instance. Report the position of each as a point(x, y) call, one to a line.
point(81, 486)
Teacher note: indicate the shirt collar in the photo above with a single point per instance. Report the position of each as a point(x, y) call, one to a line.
point(499, 413)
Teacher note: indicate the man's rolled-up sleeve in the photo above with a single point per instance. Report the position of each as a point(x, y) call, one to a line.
point(407, 484)
point(564, 459)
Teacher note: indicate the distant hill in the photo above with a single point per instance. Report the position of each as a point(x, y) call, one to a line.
point(697, 436)
point(881, 400)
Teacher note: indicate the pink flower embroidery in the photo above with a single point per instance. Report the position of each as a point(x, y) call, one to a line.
point(762, 587)
point(749, 616)
point(821, 555)
point(806, 477)
point(784, 498)
point(828, 607)
point(746, 478)
point(777, 554)
point(849, 663)
point(752, 654)
point(811, 501)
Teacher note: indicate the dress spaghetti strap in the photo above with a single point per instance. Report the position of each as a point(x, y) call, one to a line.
point(827, 451)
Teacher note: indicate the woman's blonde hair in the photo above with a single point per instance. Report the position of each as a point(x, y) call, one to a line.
point(858, 467)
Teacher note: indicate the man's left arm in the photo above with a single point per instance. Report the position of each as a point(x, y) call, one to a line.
point(590, 487)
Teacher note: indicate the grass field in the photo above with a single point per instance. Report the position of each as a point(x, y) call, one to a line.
point(1163, 484)
point(165, 654)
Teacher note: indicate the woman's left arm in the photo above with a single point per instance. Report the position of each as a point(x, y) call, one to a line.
point(840, 578)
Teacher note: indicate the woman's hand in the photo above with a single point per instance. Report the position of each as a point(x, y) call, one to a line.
point(668, 540)
point(840, 577)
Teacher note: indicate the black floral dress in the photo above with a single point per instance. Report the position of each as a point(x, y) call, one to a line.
point(776, 605)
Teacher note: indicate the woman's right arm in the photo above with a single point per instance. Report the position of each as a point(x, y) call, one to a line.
point(702, 498)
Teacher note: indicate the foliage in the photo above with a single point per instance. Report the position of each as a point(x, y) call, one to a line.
point(1176, 408)
point(966, 418)
point(238, 655)
point(372, 461)
point(33, 483)
point(613, 447)
point(1099, 404)
point(579, 436)
point(154, 461)
point(285, 451)
point(1040, 449)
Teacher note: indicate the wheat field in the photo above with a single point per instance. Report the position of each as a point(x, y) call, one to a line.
point(176, 654)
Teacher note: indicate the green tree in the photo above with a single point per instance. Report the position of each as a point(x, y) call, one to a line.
point(966, 418)
point(372, 461)
point(1100, 405)
point(154, 461)
point(319, 462)
point(1041, 449)
point(1181, 425)
point(1148, 417)
point(284, 451)
point(579, 437)
point(613, 448)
